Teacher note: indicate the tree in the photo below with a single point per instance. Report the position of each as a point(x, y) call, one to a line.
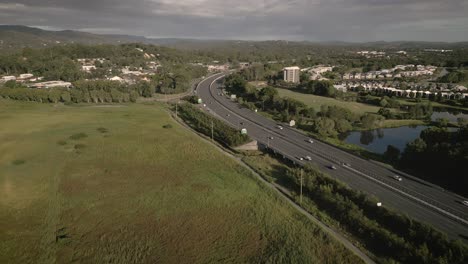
point(392, 154)
point(325, 88)
point(462, 122)
point(145, 89)
point(65, 97)
point(442, 122)
point(368, 121)
point(385, 112)
point(383, 103)
point(325, 126)
point(54, 95)
point(236, 84)
point(342, 125)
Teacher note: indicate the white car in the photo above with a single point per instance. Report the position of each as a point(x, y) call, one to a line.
point(465, 203)
point(300, 158)
point(308, 158)
point(397, 177)
point(332, 167)
point(279, 127)
point(310, 140)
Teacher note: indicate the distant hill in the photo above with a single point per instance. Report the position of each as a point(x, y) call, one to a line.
point(13, 37)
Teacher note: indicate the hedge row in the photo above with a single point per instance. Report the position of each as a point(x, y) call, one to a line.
point(389, 235)
point(202, 122)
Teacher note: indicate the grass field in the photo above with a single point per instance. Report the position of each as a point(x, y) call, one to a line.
point(92, 184)
point(316, 101)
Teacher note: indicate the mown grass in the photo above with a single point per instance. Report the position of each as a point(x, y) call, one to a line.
point(140, 194)
point(316, 101)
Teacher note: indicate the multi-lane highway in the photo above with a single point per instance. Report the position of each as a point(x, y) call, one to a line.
point(416, 198)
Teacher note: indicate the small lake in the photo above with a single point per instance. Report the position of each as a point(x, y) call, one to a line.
point(377, 140)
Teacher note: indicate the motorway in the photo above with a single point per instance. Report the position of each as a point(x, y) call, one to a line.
point(418, 199)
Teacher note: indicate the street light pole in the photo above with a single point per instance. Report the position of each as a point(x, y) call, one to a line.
point(212, 133)
point(300, 198)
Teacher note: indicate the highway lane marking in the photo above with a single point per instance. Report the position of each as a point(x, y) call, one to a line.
point(327, 157)
point(410, 196)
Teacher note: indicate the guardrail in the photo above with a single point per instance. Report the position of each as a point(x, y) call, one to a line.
point(415, 196)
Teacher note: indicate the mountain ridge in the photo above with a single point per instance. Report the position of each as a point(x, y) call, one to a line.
point(14, 37)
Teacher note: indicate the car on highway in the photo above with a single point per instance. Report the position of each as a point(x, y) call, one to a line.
point(279, 127)
point(270, 137)
point(345, 164)
point(397, 177)
point(332, 167)
point(310, 140)
point(465, 203)
point(300, 158)
point(308, 158)
point(228, 115)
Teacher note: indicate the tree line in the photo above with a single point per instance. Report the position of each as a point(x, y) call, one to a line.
point(99, 91)
point(203, 123)
point(329, 121)
point(439, 155)
point(59, 63)
point(391, 236)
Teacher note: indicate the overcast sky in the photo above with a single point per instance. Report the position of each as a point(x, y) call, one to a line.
point(314, 20)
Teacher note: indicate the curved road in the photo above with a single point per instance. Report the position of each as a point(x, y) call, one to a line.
point(418, 199)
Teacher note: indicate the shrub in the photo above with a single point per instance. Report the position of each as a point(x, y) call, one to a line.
point(18, 162)
point(80, 146)
point(102, 129)
point(203, 123)
point(78, 136)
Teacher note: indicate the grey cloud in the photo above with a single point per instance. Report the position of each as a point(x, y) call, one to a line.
point(317, 20)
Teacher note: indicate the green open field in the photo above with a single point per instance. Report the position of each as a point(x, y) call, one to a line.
point(92, 184)
point(316, 101)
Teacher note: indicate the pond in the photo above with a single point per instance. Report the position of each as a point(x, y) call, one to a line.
point(377, 140)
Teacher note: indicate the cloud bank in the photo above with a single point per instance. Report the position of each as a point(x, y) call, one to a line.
point(314, 20)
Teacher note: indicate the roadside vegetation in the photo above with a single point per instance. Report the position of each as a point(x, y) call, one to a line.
point(206, 124)
point(390, 236)
point(326, 118)
point(117, 184)
point(439, 155)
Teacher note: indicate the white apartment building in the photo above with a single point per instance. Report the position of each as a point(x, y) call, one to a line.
point(291, 74)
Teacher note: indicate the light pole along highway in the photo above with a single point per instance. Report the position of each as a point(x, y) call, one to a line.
point(418, 199)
